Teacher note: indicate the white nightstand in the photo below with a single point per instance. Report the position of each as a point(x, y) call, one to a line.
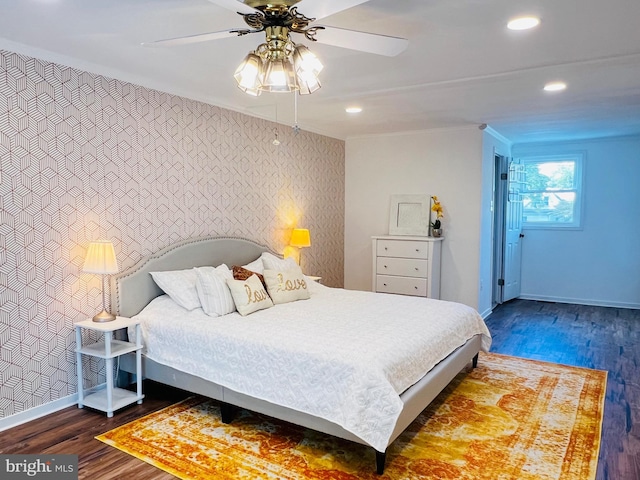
point(109, 399)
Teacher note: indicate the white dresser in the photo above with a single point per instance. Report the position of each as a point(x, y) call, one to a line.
point(407, 265)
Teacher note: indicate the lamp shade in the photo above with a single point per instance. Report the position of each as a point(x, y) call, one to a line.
point(300, 238)
point(101, 258)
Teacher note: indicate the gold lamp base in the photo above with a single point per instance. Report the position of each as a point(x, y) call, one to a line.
point(104, 316)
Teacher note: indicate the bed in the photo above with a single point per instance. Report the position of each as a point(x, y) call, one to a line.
point(275, 361)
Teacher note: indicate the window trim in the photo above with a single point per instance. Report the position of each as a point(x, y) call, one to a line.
point(578, 180)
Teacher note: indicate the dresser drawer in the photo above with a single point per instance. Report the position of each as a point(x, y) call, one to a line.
point(402, 248)
point(402, 285)
point(404, 267)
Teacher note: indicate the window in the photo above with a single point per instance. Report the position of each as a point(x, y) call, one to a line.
point(551, 195)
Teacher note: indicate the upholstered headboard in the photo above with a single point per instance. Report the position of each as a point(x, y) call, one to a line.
point(133, 289)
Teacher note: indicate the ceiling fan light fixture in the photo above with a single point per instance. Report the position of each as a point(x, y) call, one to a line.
point(279, 66)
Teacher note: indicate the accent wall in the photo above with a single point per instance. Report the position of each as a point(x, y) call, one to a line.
point(85, 157)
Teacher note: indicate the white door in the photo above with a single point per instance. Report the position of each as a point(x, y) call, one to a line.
point(513, 232)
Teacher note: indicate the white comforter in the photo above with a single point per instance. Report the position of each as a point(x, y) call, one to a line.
point(342, 355)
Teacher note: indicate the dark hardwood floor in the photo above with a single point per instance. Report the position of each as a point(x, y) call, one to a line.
point(593, 337)
point(72, 431)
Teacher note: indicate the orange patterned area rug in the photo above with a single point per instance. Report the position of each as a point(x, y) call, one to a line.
point(510, 418)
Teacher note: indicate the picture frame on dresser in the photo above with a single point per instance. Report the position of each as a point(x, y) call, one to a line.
point(409, 214)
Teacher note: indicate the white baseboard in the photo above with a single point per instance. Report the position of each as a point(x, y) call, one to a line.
point(37, 412)
point(579, 301)
point(486, 313)
point(42, 410)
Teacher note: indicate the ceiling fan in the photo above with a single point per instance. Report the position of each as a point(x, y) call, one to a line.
point(279, 64)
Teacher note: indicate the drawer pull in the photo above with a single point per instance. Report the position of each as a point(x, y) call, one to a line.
point(416, 269)
point(384, 284)
point(385, 248)
point(415, 288)
point(417, 250)
point(385, 266)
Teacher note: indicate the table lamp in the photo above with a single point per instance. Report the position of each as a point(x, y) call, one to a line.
point(300, 238)
point(101, 259)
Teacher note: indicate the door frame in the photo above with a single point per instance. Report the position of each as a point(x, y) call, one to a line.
point(500, 192)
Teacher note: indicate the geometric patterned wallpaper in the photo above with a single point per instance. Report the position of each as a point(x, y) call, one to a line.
point(85, 157)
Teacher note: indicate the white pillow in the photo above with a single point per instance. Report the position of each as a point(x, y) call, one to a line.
point(255, 266)
point(213, 290)
point(249, 295)
point(180, 285)
point(272, 262)
point(286, 285)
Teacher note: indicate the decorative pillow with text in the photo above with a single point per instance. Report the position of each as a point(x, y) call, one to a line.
point(286, 285)
point(249, 295)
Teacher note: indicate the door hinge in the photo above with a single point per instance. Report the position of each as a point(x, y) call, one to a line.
point(503, 176)
point(501, 282)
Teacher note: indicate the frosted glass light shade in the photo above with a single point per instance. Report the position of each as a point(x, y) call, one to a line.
point(308, 84)
point(248, 74)
point(279, 77)
point(300, 238)
point(307, 68)
point(306, 61)
point(101, 258)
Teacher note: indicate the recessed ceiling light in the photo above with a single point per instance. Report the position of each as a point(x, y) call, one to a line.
point(523, 23)
point(555, 86)
point(353, 109)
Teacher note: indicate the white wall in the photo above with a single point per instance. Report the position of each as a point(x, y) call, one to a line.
point(447, 163)
point(599, 264)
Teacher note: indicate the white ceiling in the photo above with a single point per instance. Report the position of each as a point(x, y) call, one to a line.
point(462, 66)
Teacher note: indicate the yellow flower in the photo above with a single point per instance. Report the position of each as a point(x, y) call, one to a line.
point(436, 207)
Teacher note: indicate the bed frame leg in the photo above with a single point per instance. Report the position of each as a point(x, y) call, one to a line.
point(227, 412)
point(380, 461)
point(475, 360)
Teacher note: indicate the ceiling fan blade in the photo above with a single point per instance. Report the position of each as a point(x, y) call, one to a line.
point(365, 42)
point(234, 6)
point(320, 9)
point(201, 37)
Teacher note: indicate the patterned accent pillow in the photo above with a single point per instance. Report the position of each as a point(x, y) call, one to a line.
point(242, 273)
point(180, 285)
point(273, 262)
point(249, 295)
point(286, 285)
point(213, 290)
